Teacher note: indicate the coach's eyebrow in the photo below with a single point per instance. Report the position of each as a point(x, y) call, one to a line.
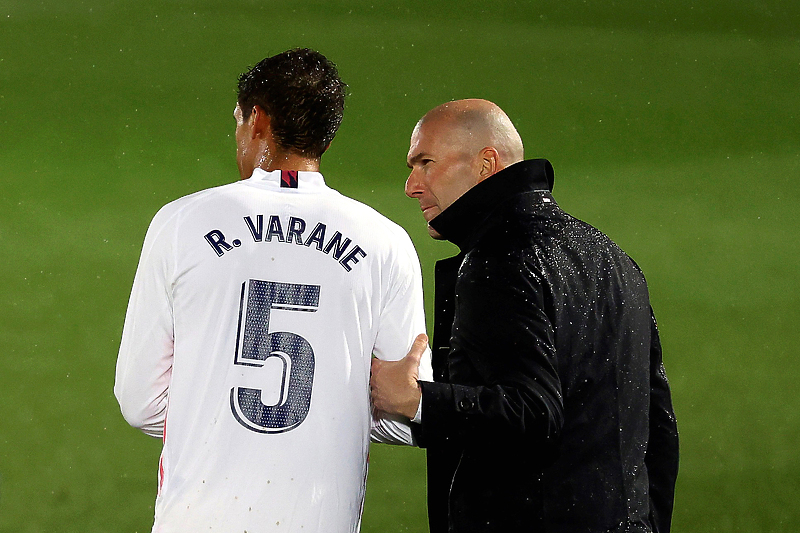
point(422, 155)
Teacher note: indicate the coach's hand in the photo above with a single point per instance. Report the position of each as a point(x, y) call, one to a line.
point(394, 383)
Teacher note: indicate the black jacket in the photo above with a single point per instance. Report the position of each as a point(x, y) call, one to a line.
point(551, 410)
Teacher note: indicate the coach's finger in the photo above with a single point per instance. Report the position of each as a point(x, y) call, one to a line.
point(418, 349)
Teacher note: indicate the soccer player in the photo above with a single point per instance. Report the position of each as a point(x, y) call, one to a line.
point(255, 311)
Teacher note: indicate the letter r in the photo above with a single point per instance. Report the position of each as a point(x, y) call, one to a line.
point(217, 241)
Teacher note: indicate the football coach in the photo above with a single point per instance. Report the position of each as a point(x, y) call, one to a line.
point(550, 410)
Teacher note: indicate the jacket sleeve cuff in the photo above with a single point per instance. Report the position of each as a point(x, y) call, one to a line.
point(444, 409)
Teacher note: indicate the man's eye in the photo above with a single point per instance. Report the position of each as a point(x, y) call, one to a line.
point(426, 161)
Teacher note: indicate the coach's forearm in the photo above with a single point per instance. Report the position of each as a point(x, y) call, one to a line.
point(457, 411)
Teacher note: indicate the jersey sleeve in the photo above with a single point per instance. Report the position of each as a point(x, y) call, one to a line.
point(144, 363)
point(402, 318)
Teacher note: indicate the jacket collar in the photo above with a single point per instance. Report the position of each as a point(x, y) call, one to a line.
point(464, 217)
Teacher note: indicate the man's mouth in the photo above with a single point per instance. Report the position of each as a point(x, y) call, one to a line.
point(426, 212)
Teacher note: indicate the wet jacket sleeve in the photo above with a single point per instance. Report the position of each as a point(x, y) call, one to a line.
point(662, 450)
point(504, 381)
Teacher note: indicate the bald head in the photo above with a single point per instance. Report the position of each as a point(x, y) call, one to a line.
point(454, 147)
point(475, 124)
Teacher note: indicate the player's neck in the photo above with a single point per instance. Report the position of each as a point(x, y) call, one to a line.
point(289, 161)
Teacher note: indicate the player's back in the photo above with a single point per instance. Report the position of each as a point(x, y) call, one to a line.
point(280, 290)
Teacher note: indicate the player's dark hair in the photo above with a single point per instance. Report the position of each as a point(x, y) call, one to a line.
point(300, 90)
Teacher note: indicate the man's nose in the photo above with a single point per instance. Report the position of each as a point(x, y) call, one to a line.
point(413, 185)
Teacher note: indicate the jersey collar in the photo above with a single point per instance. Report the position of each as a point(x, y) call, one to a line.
point(288, 180)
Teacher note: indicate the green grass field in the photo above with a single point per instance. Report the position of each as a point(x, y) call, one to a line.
point(672, 126)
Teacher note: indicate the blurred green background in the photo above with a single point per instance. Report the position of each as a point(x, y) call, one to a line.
point(672, 126)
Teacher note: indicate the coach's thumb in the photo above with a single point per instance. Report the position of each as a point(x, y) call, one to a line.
point(417, 349)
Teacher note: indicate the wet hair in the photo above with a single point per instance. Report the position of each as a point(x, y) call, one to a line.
point(300, 90)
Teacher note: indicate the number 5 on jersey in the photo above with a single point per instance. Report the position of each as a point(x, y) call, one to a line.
point(255, 347)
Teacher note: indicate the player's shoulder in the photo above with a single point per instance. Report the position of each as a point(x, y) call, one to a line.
point(198, 197)
point(370, 219)
point(172, 210)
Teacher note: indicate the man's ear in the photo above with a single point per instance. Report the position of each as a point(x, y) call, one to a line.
point(490, 162)
point(262, 123)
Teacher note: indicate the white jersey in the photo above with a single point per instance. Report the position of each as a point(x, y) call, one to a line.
point(247, 346)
